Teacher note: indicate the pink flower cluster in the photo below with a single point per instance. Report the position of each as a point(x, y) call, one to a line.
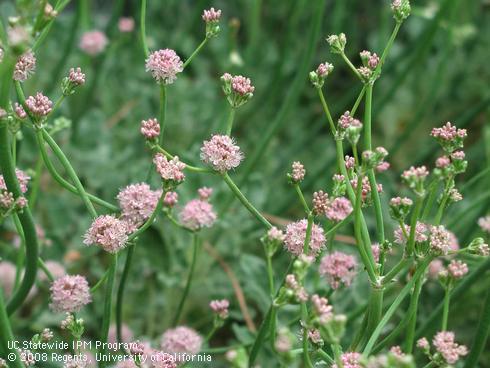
point(274, 234)
point(366, 187)
point(450, 351)
point(298, 290)
point(69, 294)
point(346, 121)
point(108, 232)
point(350, 360)
point(25, 66)
point(440, 239)
point(415, 172)
point(295, 238)
point(22, 178)
point(297, 172)
point(170, 170)
point(137, 202)
point(39, 105)
point(322, 309)
point(421, 231)
point(220, 307)
point(76, 77)
point(125, 24)
point(211, 15)
point(239, 84)
point(338, 209)
point(164, 65)
point(448, 132)
point(181, 339)
point(170, 199)
point(221, 153)
point(484, 223)
point(457, 269)
point(93, 42)
point(198, 213)
point(150, 128)
point(338, 268)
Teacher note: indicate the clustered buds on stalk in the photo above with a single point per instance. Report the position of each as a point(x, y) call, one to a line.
point(373, 159)
point(339, 185)
point(479, 247)
point(272, 240)
point(74, 79)
point(337, 43)
point(401, 10)
point(220, 310)
point(318, 76)
point(211, 17)
point(171, 171)
point(198, 213)
point(238, 89)
point(45, 336)
point(349, 127)
point(370, 62)
point(298, 172)
point(449, 137)
point(415, 178)
point(150, 129)
point(39, 106)
point(447, 351)
point(25, 66)
point(75, 326)
point(293, 290)
point(9, 204)
point(335, 209)
point(400, 208)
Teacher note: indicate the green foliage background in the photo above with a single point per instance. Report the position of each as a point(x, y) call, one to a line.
point(437, 72)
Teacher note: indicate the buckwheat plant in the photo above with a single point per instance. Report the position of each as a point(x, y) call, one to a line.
point(305, 324)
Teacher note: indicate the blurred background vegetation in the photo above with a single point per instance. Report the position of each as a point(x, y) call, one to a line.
point(437, 72)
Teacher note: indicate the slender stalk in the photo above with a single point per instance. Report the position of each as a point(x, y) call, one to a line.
point(306, 355)
point(337, 352)
point(374, 310)
point(196, 51)
point(442, 206)
point(413, 224)
point(187, 166)
point(325, 356)
point(270, 274)
point(60, 5)
point(12, 184)
point(6, 335)
point(263, 330)
point(163, 110)
point(445, 310)
point(120, 291)
point(327, 112)
point(236, 191)
point(404, 262)
point(58, 178)
point(229, 123)
point(33, 195)
point(430, 365)
point(351, 66)
point(302, 198)
point(99, 283)
point(106, 320)
point(195, 250)
point(143, 28)
point(430, 199)
point(412, 322)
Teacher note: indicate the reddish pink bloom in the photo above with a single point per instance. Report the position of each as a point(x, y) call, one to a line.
point(376, 249)
point(150, 128)
point(320, 202)
point(171, 199)
point(339, 268)
point(297, 172)
point(239, 84)
point(440, 239)
point(93, 42)
point(25, 66)
point(448, 132)
point(443, 162)
point(164, 65)
point(39, 105)
point(181, 339)
point(108, 232)
point(169, 169)
point(19, 111)
point(295, 238)
point(346, 121)
point(205, 193)
point(457, 269)
point(137, 202)
point(350, 162)
point(125, 24)
point(197, 214)
point(221, 153)
point(322, 309)
point(69, 294)
point(324, 69)
point(211, 15)
point(383, 166)
point(22, 178)
point(350, 360)
point(76, 76)
point(274, 234)
point(220, 307)
point(415, 172)
point(422, 343)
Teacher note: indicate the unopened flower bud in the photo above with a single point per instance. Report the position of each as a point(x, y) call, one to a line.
point(337, 43)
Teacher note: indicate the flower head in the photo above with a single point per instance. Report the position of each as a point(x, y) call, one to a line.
point(93, 42)
point(164, 65)
point(76, 76)
point(350, 360)
point(322, 309)
point(198, 214)
point(69, 293)
point(181, 339)
point(237, 88)
point(297, 172)
point(39, 105)
point(338, 209)
point(22, 178)
point(137, 202)
point(170, 199)
point(295, 238)
point(415, 177)
point(449, 137)
point(125, 24)
point(401, 9)
point(211, 18)
point(484, 223)
point(457, 269)
point(320, 202)
point(450, 351)
point(221, 153)
point(150, 128)
point(421, 235)
point(318, 76)
point(108, 232)
point(170, 170)
point(25, 66)
point(19, 111)
point(440, 240)
point(220, 307)
point(338, 268)
point(337, 43)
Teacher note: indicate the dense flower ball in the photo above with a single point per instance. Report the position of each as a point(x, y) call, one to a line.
point(295, 238)
point(297, 172)
point(108, 232)
point(350, 360)
point(320, 202)
point(221, 153)
point(440, 239)
point(164, 65)
point(137, 202)
point(162, 359)
point(19, 111)
point(339, 268)
point(25, 66)
point(39, 105)
point(93, 42)
point(171, 199)
point(181, 339)
point(338, 209)
point(22, 178)
point(457, 269)
point(76, 77)
point(197, 214)
point(150, 128)
point(125, 24)
point(211, 15)
point(220, 307)
point(450, 351)
point(69, 294)
point(275, 234)
point(170, 170)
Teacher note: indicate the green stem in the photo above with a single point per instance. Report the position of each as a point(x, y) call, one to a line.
point(386, 50)
point(58, 178)
point(367, 117)
point(445, 310)
point(106, 320)
point(306, 355)
point(393, 307)
point(60, 5)
point(6, 335)
point(270, 274)
point(196, 51)
point(263, 330)
point(430, 365)
point(413, 224)
point(374, 310)
point(301, 197)
point(327, 112)
point(163, 110)
point(150, 220)
point(351, 66)
point(442, 206)
point(195, 250)
point(36, 183)
point(143, 28)
point(99, 283)
point(120, 291)
point(236, 191)
point(12, 184)
point(187, 166)
point(430, 199)
point(404, 262)
point(229, 123)
point(412, 322)
point(337, 352)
